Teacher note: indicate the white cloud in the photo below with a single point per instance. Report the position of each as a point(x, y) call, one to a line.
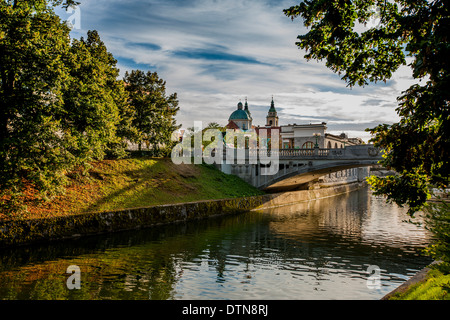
point(213, 53)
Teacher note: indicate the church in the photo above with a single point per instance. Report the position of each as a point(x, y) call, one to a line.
point(292, 136)
point(298, 136)
point(240, 119)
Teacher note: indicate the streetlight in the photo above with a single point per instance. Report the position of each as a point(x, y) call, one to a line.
point(317, 135)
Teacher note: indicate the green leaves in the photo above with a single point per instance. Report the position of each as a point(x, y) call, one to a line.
point(418, 146)
point(438, 220)
point(92, 98)
point(411, 188)
point(363, 57)
point(33, 47)
point(61, 104)
point(154, 111)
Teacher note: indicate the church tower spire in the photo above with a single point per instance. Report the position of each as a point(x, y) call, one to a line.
point(246, 108)
point(272, 117)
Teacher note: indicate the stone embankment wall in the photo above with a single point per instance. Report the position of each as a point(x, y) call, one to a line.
point(19, 232)
point(343, 177)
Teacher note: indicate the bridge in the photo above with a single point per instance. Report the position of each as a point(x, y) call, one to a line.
point(298, 167)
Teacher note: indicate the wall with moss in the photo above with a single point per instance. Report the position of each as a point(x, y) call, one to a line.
point(18, 232)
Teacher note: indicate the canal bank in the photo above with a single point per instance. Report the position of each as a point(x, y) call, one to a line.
point(419, 277)
point(320, 249)
point(21, 232)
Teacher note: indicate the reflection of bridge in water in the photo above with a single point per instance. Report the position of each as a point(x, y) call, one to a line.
point(298, 167)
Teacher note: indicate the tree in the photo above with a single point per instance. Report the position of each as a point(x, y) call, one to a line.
point(60, 102)
point(417, 147)
point(214, 125)
point(94, 100)
point(33, 46)
point(154, 111)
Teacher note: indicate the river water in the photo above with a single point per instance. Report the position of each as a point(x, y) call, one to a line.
point(352, 246)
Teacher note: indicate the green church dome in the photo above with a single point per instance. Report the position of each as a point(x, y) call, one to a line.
point(239, 114)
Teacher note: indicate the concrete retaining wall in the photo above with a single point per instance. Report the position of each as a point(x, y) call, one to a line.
point(19, 232)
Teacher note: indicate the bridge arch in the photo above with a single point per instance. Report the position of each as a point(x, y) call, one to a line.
point(307, 173)
point(297, 167)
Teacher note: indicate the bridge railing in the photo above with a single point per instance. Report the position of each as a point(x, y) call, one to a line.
point(304, 152)
point(350, 152)
point(317, 152)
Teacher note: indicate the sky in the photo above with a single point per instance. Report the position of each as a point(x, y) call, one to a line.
point(214, 54)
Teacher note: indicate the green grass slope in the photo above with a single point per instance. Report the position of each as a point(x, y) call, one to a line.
point(139, 182)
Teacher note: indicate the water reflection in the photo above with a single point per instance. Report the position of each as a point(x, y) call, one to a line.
point(313, 250)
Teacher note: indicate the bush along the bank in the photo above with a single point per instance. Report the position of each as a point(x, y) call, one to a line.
point(437, 220)
point(436, 285)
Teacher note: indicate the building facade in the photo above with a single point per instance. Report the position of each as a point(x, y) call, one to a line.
point(309, 136)
point(299, 136)
point(292, 136)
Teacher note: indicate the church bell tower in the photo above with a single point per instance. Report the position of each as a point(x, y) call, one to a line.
point(272, 117)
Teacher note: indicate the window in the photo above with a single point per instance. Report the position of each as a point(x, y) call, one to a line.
point(329, 145)
point(308, 145)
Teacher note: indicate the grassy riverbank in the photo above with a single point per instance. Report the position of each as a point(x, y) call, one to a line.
point(434, 287)
point(137, 182)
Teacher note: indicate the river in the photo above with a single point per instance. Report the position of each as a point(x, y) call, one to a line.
point(351, 246)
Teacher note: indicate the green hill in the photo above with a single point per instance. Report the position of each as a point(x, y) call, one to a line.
point(138, 182)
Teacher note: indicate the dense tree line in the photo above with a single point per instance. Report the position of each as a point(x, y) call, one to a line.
point(62, 103)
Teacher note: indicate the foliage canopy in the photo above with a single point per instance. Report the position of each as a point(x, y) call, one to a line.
point(61, 102)
point(413, 32)
point(154, 110)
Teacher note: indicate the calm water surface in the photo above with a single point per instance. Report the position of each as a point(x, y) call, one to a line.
point(324, 249)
